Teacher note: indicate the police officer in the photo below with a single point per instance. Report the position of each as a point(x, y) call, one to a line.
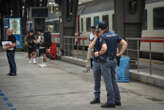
point(108, 52)
point(96, 46)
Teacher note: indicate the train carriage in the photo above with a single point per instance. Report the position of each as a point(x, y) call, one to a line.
point(92, 13)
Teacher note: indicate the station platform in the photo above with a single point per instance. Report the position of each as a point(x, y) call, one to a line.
point(64, 86)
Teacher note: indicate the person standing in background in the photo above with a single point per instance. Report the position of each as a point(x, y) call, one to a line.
point(42, 48)
point(31, 44)
point(89, 54)
point(10, 49)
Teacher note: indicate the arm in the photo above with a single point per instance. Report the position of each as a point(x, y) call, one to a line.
point(92, 44)
point(26, 42)
point(124, 45)
point(10, 46)
point(102, 51)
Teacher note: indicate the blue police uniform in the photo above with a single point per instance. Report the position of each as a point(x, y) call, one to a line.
point(108, 68)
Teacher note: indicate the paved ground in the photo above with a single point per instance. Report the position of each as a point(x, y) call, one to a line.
point(63, 86)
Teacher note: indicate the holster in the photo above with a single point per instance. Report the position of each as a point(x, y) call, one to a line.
point(112, 57)
point(118, 60)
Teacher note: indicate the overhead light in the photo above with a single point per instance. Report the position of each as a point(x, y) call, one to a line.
point(49, 3)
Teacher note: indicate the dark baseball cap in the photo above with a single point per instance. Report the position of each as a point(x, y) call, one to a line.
point(93, 27)
point(102, 25)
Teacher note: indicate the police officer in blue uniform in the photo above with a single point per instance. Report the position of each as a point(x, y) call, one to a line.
point(108, 62)
point(96, 69)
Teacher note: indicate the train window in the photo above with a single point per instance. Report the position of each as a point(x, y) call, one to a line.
point(158, 18)
point(88, 24)
point(81, 24)
point(96, 20)
point(56, 26)
point(144, 24)
point(105, 19)
point(113, 23)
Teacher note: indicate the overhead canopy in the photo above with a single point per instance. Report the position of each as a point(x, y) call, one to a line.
point(96, 6)
point(13, 8)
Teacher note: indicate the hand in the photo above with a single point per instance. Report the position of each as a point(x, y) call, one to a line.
point(118, 54)
point(7, 47)
point(95, 35)
point(96, 54)
point(100, 33)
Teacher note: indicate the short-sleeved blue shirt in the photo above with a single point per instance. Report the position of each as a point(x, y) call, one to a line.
point(98, 46)
point(111, 39)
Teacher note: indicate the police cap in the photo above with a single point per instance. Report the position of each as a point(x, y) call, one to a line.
point(102, 25)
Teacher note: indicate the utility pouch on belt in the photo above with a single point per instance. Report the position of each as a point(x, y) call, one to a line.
point(111, 57)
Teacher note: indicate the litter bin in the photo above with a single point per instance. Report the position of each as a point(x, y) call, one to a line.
point(122, 71)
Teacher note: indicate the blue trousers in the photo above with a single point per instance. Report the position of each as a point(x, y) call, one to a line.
point(97, 78)
point(11, 61)
point(108, 72)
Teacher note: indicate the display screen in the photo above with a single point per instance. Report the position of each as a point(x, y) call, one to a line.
point(40, 12)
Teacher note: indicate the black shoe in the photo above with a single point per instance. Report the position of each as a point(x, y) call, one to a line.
point(106, 105)
point(95, 101)
point(10, 74)
point(118, 103)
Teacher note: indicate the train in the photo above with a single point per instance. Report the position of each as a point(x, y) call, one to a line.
point(90, 14)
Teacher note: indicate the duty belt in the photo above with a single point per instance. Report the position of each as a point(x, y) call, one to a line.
point(99, 60)
point(112, 57)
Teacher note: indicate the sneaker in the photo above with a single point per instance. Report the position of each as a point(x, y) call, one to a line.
point(43, 65)
point(30, 61)
point(34, 61)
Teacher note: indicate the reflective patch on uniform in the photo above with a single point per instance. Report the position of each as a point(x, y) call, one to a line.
point(100, 40)
point(111, 35)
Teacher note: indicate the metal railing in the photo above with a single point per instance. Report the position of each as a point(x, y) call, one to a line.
point(147, 49)
point(73, 46)
point(77, 47)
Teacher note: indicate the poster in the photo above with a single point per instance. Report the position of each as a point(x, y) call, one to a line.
point(15, 25)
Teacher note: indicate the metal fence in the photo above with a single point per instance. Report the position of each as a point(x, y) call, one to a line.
point(147, 47)
point(72, 46)
point(77, 47)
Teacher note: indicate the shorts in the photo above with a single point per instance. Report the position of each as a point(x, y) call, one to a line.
point(42, 51)
point(30, 50)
